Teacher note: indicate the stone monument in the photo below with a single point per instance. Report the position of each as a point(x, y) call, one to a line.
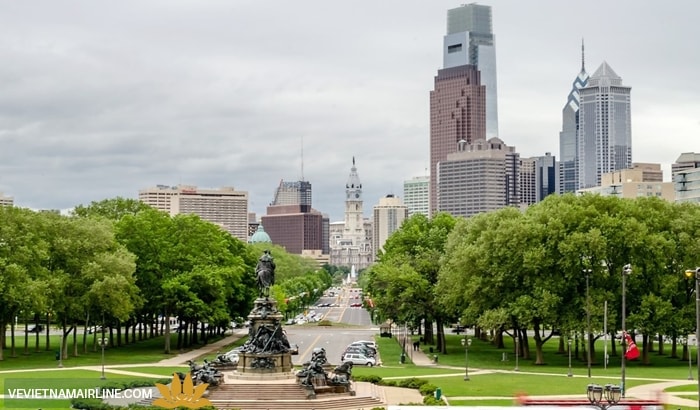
point(267, 350)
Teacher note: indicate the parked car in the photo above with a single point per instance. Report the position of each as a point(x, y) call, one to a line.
point(294, 348)
point(95, 329)
point(369, 343)
point(36, 329)
point(359, 359)
point(357, 350)
point(364, 348)
point(232, 355)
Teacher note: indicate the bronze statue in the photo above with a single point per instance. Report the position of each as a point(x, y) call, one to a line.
point(265, 272)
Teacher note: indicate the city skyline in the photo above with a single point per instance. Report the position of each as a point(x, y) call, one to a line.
point(99, 101)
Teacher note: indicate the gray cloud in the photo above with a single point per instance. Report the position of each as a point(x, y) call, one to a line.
point(99, 99)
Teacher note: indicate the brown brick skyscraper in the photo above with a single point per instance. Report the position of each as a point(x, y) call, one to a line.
point(457, 112)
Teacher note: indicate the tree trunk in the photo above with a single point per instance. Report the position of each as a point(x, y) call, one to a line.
point(48, 327)
point(2, 338)
point(26, 336)
point(85, 332)
point(166, 315)
point(13, 351)
point(429, 337)
point(646, 345)
point(36, 336)
point(75, 339)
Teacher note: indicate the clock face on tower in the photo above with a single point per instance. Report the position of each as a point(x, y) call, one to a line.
point(357, 195)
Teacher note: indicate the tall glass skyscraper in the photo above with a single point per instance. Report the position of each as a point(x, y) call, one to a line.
point(470, 40)
point(605, 127)
point(568, 142)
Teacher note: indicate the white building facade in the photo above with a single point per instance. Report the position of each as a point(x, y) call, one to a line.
point(225, 207)
point(387, 218)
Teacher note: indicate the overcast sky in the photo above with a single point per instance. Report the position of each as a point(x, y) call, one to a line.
point(100, 99)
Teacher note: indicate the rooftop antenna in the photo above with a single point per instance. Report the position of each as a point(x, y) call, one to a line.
point(583, 58)
point(302, 158)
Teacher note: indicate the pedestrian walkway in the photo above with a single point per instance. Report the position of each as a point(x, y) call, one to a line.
point(207, 349)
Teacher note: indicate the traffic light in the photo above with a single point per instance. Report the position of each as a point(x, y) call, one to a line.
point(690, 272)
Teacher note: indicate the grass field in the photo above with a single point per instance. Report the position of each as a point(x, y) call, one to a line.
point(500, 383)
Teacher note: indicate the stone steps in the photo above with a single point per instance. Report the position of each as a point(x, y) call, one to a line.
point(340, 403)
point(285, 396)
point(257, 391)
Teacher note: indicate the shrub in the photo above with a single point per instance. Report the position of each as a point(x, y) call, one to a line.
point(411, 383)
point(432, 401)
point(372, 378)
point(387, 382)
point(427, 389)
point(325, 322)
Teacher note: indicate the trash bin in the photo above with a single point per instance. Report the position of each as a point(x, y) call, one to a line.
point(438, 393)
point(403, 358)
point(430, 349)
point(58, 355)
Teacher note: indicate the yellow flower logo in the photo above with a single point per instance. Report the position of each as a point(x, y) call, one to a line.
point(182, 394)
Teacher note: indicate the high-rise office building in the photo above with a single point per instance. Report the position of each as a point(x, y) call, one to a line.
point(470, 41)
point(480, 177)
point(416, 195)
point(388, 216)
point(293, 193)
point(6, 200)
point(457, 113)
point(687, 185)
point(296, 230)
point(463, 103)
point(538, 178)
point(686, 177)
point(642, 180)
point(292, 223)
point(687, 160)
point(225, 207)
point(352, 247)
point(568, 137)
point(605, 127)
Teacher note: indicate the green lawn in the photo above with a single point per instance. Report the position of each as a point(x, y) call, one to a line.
point(146, 351)
point(547, 379)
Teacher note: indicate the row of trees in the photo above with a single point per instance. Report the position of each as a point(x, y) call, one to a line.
point(553, 267)
point(128, 266)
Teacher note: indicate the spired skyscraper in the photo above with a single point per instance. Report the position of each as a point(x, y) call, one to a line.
point(605, 127)
point(568, 137)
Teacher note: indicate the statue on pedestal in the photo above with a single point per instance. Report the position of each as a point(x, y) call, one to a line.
point(265, 273)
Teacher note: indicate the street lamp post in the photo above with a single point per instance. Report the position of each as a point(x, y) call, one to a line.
point(626, 270)
point(690, 273)
point(466, 343)
point(103, 342)
point(690, 360)
point(570, 374)
point(596, 393)
point(588, 321)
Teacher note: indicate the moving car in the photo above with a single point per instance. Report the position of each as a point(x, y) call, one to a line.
point(36, 329)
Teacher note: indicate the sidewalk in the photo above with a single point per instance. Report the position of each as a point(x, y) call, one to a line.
point(207, 349)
